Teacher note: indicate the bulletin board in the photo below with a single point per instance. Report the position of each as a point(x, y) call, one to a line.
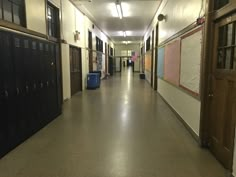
point(172, 62)
point(160, 63)
point(148, 64)
point(191, 45)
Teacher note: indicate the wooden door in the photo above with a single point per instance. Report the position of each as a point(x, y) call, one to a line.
point(90, 46)
point(222, 94)
point(75, 70)
point(106, 59)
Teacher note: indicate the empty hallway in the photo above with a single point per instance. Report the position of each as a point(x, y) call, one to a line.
point(123, 129)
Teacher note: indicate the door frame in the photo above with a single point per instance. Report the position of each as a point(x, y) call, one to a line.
point(212, 16)
point(152, 59)
point(156, 57)
point(80, 61)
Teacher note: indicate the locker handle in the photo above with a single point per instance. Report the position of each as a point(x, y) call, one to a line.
point(17, 91)
point(6, 94)
point(47, 83)
point(35, 86)
point(27, 88)
point(41, 85)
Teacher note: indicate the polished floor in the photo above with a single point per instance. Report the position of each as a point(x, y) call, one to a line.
point(123, 129)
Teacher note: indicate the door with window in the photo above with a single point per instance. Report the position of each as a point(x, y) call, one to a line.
point(222, 93)
point(75, 70)
point(90, 46)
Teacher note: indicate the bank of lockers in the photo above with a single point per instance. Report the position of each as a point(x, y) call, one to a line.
point(30, 87)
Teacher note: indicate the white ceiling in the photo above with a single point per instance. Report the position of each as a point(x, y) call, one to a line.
point(138, 15)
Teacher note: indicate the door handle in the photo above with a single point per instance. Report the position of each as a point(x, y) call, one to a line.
point(35, 86)
point(210, 95)
point(6, 94)
point(27, 88)
point(17, 91)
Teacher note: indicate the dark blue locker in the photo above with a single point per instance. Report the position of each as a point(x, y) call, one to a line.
point(93, 80)
point(21, 110)
point(10, 90)
point(3, 100)
point(36, 106)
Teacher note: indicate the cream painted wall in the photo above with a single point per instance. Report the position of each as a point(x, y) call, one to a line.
point(120, 47)
point(180, 14)
point(65, 72)
point(55, 3)
point(36, 15)
point(185, 105)
point(133, 47)
point(72, 20)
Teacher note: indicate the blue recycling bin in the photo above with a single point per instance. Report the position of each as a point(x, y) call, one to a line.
point(93, 80)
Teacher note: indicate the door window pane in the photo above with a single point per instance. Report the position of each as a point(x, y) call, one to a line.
point(13, 11)
point(7, 9)
point(234, 59)
point(229, 34)
point(221, 41)
point(220, 59)
point(16, 14)
point(228, 59)
point(220, 3)
point(53, 20)
point(0, 9)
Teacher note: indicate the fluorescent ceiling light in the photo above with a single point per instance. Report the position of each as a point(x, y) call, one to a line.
point(124, 34)
point(119, 9)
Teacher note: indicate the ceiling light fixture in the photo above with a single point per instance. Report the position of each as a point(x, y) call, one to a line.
point(119, 9)
point(124, 34)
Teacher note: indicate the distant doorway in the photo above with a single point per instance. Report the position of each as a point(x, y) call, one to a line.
point(75, 70)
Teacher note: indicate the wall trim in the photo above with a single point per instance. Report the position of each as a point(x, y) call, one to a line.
point(18, 28)
point(178, 34)
point(190, 130)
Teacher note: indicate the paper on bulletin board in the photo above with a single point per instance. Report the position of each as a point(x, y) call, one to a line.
point(160, 64)
point(172, 62)
point(148, 64)
point(191, 61)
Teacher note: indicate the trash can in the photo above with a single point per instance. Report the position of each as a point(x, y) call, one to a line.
point(93, 80)
point(100, 75)
point(142, 76)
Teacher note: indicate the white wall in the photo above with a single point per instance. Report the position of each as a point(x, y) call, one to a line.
point(65, 73)
point(180, 14)
point(186, 106)
point(36, 15)
point(132, 47)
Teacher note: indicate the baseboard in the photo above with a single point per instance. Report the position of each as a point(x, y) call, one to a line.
point(190, 130)
point(65, 100)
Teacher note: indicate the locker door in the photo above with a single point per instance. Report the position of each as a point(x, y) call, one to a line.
point(22, 123)
point(35, 83)
point(3, 105)
point(47, 63)
point(10, 90)
point(53, 81)
point(28, 86)
point(59, 77)
point(43, 84)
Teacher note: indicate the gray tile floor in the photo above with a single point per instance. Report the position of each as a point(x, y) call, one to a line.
point(123, 129)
